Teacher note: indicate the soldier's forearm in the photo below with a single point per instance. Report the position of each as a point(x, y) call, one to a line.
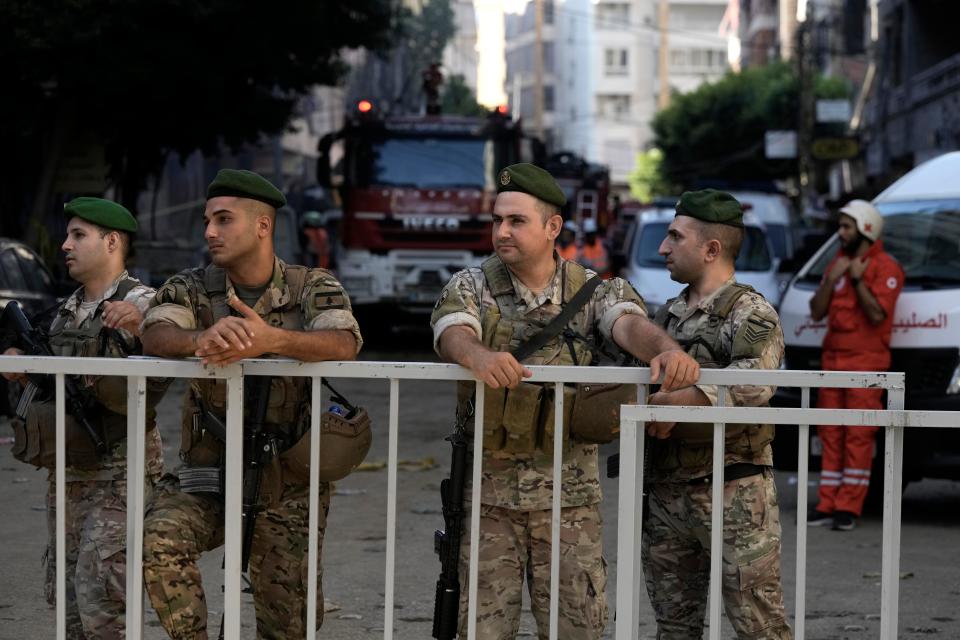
point(315, 346)
point(642, 338)
point(460, 345)
point(169, 341)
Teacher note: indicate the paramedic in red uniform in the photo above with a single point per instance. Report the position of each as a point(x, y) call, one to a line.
point(858, 295)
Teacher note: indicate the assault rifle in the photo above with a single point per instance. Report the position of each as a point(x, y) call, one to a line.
point(259, 448)
point(33, 342)
point(446, 543)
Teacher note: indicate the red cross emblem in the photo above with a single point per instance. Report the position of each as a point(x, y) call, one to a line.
point(868, 227)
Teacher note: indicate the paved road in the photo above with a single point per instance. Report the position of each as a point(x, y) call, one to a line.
point(843, 590)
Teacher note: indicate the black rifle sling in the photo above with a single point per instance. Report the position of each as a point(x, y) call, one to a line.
point(555, 326)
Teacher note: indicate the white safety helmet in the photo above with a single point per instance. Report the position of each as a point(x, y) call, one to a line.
point(589, 225)
point(570, 225)
point(868, 219)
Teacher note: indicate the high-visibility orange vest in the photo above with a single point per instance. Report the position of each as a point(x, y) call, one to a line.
point(594, 256)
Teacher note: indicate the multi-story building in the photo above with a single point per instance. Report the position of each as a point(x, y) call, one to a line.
point(696, 50)
point(913, 111)
point(599, 80)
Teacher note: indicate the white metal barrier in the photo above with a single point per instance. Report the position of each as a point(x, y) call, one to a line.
point(894, 420)
point(631, 449)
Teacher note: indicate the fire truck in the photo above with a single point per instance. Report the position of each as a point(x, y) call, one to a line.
point(586, 185)
point(416, 194)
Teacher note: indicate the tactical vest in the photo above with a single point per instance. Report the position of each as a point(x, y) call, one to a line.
point(285, 417)
point(521, 420)
point(94, 340)
point(691, 444)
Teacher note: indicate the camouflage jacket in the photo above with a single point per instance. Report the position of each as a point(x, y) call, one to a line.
point(184, 301)
point(748, 338)
point(525, 481)
point(77, 313)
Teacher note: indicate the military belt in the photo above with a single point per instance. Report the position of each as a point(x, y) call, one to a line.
point(735, 471)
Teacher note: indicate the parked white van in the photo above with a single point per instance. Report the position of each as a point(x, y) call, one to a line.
point(922, 231)
point(646, 269)
point(774, 211)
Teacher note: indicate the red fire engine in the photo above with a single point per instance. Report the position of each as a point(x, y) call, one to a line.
point(416, 194)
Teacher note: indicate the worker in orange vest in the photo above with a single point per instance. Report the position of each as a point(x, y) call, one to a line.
point(857, 295)
point(567, 242)
point(593, 255)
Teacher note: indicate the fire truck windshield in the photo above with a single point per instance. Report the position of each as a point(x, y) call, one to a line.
point(437, 162)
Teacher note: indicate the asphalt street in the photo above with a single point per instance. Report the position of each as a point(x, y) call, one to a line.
point(843, 569)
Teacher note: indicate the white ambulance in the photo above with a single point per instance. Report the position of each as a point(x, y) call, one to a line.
point(922, 231)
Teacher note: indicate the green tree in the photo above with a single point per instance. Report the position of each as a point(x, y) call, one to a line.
point(717, 131)
point(144, 79)
point(646, 180)
point(459, 99)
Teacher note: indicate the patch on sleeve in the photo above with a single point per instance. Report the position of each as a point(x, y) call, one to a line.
point(753, 336)
point(329, 299)
point(441, 299)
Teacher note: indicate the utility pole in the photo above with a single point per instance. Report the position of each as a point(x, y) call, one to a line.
point(538, 70)
point(664, 56)
point(806, 74)
point(788, 28)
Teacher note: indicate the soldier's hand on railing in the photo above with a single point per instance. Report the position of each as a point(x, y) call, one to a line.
point(499, 369)
point(14, 376)
point(679, 370)
point(232, 339)
point(122, 315)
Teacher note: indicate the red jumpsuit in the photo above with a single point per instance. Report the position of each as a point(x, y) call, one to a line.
point(853, 344)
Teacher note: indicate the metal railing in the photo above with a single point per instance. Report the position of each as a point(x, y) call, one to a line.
point(894, 420)
point(631, 450)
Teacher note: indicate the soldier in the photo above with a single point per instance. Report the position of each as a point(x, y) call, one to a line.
point(102, 319)
point(722, 324)
point(280, 309)
point(483, 315)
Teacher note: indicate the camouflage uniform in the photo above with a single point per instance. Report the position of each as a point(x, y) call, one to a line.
point(95, 499)
point(180, 525)
point(734, 328)
point(517, 488)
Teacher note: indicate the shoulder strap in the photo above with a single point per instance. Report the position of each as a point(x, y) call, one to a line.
point(729, 299)
point(295, 276)
point(553, 329)
point(501, 286)
point(215, 282)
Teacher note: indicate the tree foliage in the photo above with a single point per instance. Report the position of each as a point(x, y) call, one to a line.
point(148, 78)
point(646, 180)
point(717, 131)
point(459, 99)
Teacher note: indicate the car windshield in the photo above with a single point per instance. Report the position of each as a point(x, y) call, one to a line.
point(754, 253)
point(924, 237)
point(431, 162)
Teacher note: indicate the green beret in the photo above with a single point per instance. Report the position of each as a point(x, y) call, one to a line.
point(104, 213)
point(711, 205)
point(241, 183)
point(527, 178)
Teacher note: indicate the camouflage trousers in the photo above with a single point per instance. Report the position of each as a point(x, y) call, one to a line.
point(676, 558)
point(96, 556)
point(180, 526)
point(515, 545)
